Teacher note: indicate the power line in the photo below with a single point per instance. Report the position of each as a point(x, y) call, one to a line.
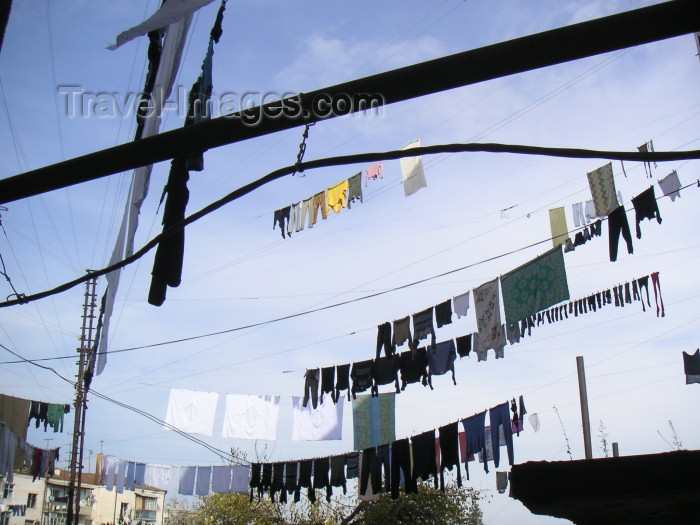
point(367, 157)
point(211, 448)
point(334, 305)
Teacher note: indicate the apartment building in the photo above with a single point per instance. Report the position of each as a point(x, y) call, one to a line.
point(45, 502)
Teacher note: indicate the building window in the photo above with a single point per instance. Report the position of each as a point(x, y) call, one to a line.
point(31, 501)
point(7, 493)
point(150, 504)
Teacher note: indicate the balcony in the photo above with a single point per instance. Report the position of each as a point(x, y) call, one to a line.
point(145, 515)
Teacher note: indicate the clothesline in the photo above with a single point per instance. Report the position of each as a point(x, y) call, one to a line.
point(354, 159)
point(119, 474)
point(414, 364)
point(39, 461)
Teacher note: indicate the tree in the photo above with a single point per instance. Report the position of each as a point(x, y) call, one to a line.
point(453, 506)
point(235, 509)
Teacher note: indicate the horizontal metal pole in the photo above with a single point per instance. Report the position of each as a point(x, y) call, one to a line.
point(556, 46)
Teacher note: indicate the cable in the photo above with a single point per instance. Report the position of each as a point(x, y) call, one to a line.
point(366, 157)
point(334, 305)
point(222, 454)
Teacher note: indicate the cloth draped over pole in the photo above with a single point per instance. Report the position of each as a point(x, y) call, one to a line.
point(169, 58)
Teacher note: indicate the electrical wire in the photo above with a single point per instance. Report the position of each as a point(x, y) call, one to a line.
point(366, 157)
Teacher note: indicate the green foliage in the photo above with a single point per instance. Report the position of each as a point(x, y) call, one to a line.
point(454, 506)
point(235, 509)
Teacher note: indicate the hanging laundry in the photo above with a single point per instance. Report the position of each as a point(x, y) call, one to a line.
point(646, 148)
point(464, 345)
point(373, 420)
point(671, 185)
point(443, 313)
point(579, 218)
point(590, 211)
point(166, 67)
point(324, 423)
point(191, 412)
point(338, 473)
point(449, 452)
point(499, 417)
point(424, 464)
point(354, 189)
point(187, 480)
point(251, 417)
point(401, 468)
point(557, 223)
point(656, 284)
point(169, 13)
point(221, 479)
point(121, 476)
point(402, 332)
point(602, 184)
point(386, 371)
point(328, 382)
point(646, 207)
point(280, 217)
point(534, 421)
point(488, 319)
point(311, 382)
point(362, 375)
point(535, 286)
point(414, 367)
point(461, 304)
point(294, 218)
point(375, 171)
point(441, 359)
point(239, 479)
point(512, 332)
point(14, 411)
point(203, 480)
point(318, 204)
point(474, 429)
point(501, 481)
point(691, 367)
point(352, 463)
point(342, 381)
point(336, 197)
point(617, 223)
point(412, 171)
point(384, 340)
point(306, 210)
point(54, 416)
point(423, 326)
point(167, 264)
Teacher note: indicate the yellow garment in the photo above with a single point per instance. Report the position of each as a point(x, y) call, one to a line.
point(336, 197)
point(557, 220)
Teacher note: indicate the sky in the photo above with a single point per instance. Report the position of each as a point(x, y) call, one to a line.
point(239, 271)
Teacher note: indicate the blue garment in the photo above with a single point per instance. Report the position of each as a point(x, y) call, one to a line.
point(140, 475)
point(130, 473)
point(500, 415)
point(474, 433)
point(121, 474)
point(187, 476)
point(221, 479)
point(203, 476)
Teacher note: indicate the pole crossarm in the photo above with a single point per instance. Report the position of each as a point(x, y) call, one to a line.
point(593, 37)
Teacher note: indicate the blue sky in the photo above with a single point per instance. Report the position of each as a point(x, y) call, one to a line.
point(239, 271)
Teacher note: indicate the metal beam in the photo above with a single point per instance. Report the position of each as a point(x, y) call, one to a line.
point(556, 46)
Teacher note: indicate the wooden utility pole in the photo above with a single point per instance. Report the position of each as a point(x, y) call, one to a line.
point(583, 394)
point(76, 456)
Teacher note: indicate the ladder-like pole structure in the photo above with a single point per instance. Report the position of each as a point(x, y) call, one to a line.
point(76, 456)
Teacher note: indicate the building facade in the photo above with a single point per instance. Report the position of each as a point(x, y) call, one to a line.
point(45, 502)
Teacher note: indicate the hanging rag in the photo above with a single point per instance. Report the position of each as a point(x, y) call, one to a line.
point(646, 207)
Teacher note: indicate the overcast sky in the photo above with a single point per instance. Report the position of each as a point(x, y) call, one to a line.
point(239, 271)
